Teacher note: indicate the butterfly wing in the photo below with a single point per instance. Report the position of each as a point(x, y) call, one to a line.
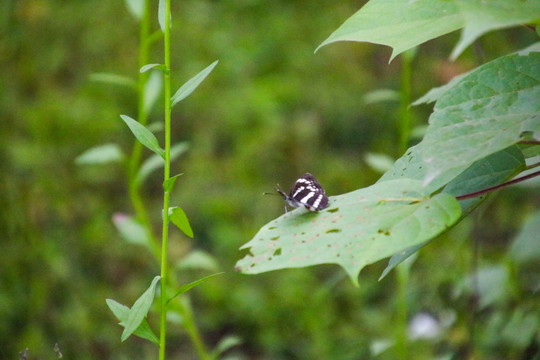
point(307, 192)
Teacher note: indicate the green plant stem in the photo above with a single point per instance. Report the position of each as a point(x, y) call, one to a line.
point(166, 278)
point(142, 117)
point(167, 174)
point(405, 114)
point(401, 326)
point(191, 328)
point(403, 269)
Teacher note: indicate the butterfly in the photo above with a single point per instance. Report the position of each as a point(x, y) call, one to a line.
point(306, 192)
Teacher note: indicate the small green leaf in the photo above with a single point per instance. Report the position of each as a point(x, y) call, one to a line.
point(190, 85)
point(143, 135)
point(168, 184)
point(140, 309)
point(525, 245)
point(187, 287)
point(379, 162)
point(131, 230)
point(225, 344)
point(381, 95)
point(155, 161)
point(490, 284)
point(136, 8)
point(435, 93)
point(179, 218)
point(197, 260)
point(115, 79)
point(401, 256)
point(162, 9)
point(152, 90)
point(147, 67)
point(122, 312)
point(103, 154)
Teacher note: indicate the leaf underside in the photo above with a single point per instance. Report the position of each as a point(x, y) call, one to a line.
point(404, 24)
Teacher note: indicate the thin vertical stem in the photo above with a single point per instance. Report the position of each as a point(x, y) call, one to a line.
point(403, 269)
point(401, 324)
point(167, 173)
point(405, 114)
point(142, 117)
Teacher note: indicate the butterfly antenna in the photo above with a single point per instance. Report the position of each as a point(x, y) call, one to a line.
point(281, 192)
point(278, 189)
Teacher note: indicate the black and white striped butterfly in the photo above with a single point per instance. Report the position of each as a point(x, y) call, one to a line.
point(306, 192)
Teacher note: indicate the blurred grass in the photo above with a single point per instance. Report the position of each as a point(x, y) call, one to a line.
point(270, 111)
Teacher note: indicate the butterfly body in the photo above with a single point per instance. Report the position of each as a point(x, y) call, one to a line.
point(306, 192)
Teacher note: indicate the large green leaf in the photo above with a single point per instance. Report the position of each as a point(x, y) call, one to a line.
point(401, 24)
point(490, 171)
point(481, 16)
point(435, 93)
point(356, 229)
point(485, 112)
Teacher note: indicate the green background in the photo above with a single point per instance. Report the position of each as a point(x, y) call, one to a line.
point(270, 111)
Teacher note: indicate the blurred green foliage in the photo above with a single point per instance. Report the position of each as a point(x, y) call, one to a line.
point(270, 111)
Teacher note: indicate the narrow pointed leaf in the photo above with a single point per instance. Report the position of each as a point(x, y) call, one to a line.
point(179, 218)
point(122, 312)
point(147, 67)
point(155, 161)
point(103, 154)
point(115, 79)
point(140, 309)
point(525, 244)
point(131, 230)
point(143, 135)
point(152, 90)
point(186, 89)
point(162, 13)
point(185, 288)
point(225, 344)
point(136, 8)
point(198, 260)
point(168, 184)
